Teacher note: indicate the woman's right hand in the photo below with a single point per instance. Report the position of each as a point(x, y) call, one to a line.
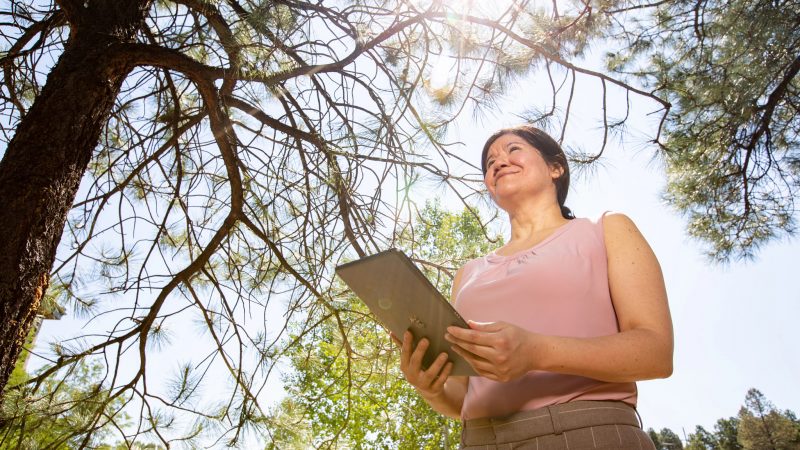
point(429, 383)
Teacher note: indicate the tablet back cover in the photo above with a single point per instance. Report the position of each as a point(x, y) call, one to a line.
point(402, 298)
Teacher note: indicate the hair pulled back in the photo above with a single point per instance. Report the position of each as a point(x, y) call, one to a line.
point(551, 152)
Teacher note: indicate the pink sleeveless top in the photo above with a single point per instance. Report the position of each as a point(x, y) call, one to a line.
point(558, 287)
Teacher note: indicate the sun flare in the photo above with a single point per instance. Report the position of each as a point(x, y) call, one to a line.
point(469, 17)
point(498, 8)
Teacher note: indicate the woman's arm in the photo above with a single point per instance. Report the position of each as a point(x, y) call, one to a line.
point(641, 350)
point(444, 393)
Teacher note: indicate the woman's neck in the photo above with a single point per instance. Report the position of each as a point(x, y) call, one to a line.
point(528, 223)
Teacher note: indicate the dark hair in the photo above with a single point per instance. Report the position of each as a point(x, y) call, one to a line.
point(550, 151)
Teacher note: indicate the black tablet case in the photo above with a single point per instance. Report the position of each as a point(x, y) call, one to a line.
point(400, 296)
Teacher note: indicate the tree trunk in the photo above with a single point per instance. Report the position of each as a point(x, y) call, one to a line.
point(45, 160)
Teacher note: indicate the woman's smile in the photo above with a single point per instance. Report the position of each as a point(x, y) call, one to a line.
point(502, 174)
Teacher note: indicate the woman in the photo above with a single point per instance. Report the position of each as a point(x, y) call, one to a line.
point(564, 318)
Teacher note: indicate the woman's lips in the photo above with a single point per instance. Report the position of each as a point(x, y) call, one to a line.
point(501, 175)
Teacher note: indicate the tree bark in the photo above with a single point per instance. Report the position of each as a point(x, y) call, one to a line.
point(48, 155)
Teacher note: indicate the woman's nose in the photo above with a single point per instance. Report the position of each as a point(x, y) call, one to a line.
point(499, 163)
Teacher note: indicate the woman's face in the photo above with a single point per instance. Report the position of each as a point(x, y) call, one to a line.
point(513, 167)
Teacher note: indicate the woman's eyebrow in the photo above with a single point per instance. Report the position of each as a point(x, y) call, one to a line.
point(513, 143)
point(490, 154)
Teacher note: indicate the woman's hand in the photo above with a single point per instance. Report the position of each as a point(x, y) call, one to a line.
point(498, 351)
point(429, 383)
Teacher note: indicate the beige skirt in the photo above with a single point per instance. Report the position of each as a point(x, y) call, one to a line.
point(569, 426)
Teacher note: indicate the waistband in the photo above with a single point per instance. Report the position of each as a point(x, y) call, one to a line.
point(554, 419)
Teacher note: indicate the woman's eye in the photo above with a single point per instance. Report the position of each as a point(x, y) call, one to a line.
point(513, 148)
point(489, 163)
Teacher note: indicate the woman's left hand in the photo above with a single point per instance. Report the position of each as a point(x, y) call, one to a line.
point(498, 351)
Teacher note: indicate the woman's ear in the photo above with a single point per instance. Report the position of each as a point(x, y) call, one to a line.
point(556, 170)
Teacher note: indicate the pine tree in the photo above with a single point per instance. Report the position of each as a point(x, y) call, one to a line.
point(724, 437)
point(762, 427)
point(729, 71)
point(701, 439)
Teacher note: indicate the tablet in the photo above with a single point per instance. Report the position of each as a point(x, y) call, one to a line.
point(400, 296)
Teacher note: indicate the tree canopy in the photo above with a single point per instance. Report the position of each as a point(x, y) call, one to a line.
point(192, 170)
point(730, 139)
point(62, 415)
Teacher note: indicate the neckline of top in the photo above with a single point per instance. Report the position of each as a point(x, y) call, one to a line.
point(493, 257)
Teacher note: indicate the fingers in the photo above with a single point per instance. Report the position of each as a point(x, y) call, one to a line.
point(491, 348)
point(482, 366)
point(461, 333)
point(430, 380)
point(479, 345)
point(419, 352)
point(405, 353)
point(476, 336)
point(485, 326)
point(440, 379)
point(476, 328)
point(430, 374)
point(477, 362)
point(411, 359)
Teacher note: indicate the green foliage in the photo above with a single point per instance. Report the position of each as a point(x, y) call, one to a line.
point(446, 239)
point(345, 389)
point(701, 440)
point(726, 433)
point(49, 308)
point(724, 437)
point(352, 394)
point(759, 426)
point(654, 437)
point(61, 415)
point(665, 439)
point(730, 140)
point(19, 376)
point(762, 427)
